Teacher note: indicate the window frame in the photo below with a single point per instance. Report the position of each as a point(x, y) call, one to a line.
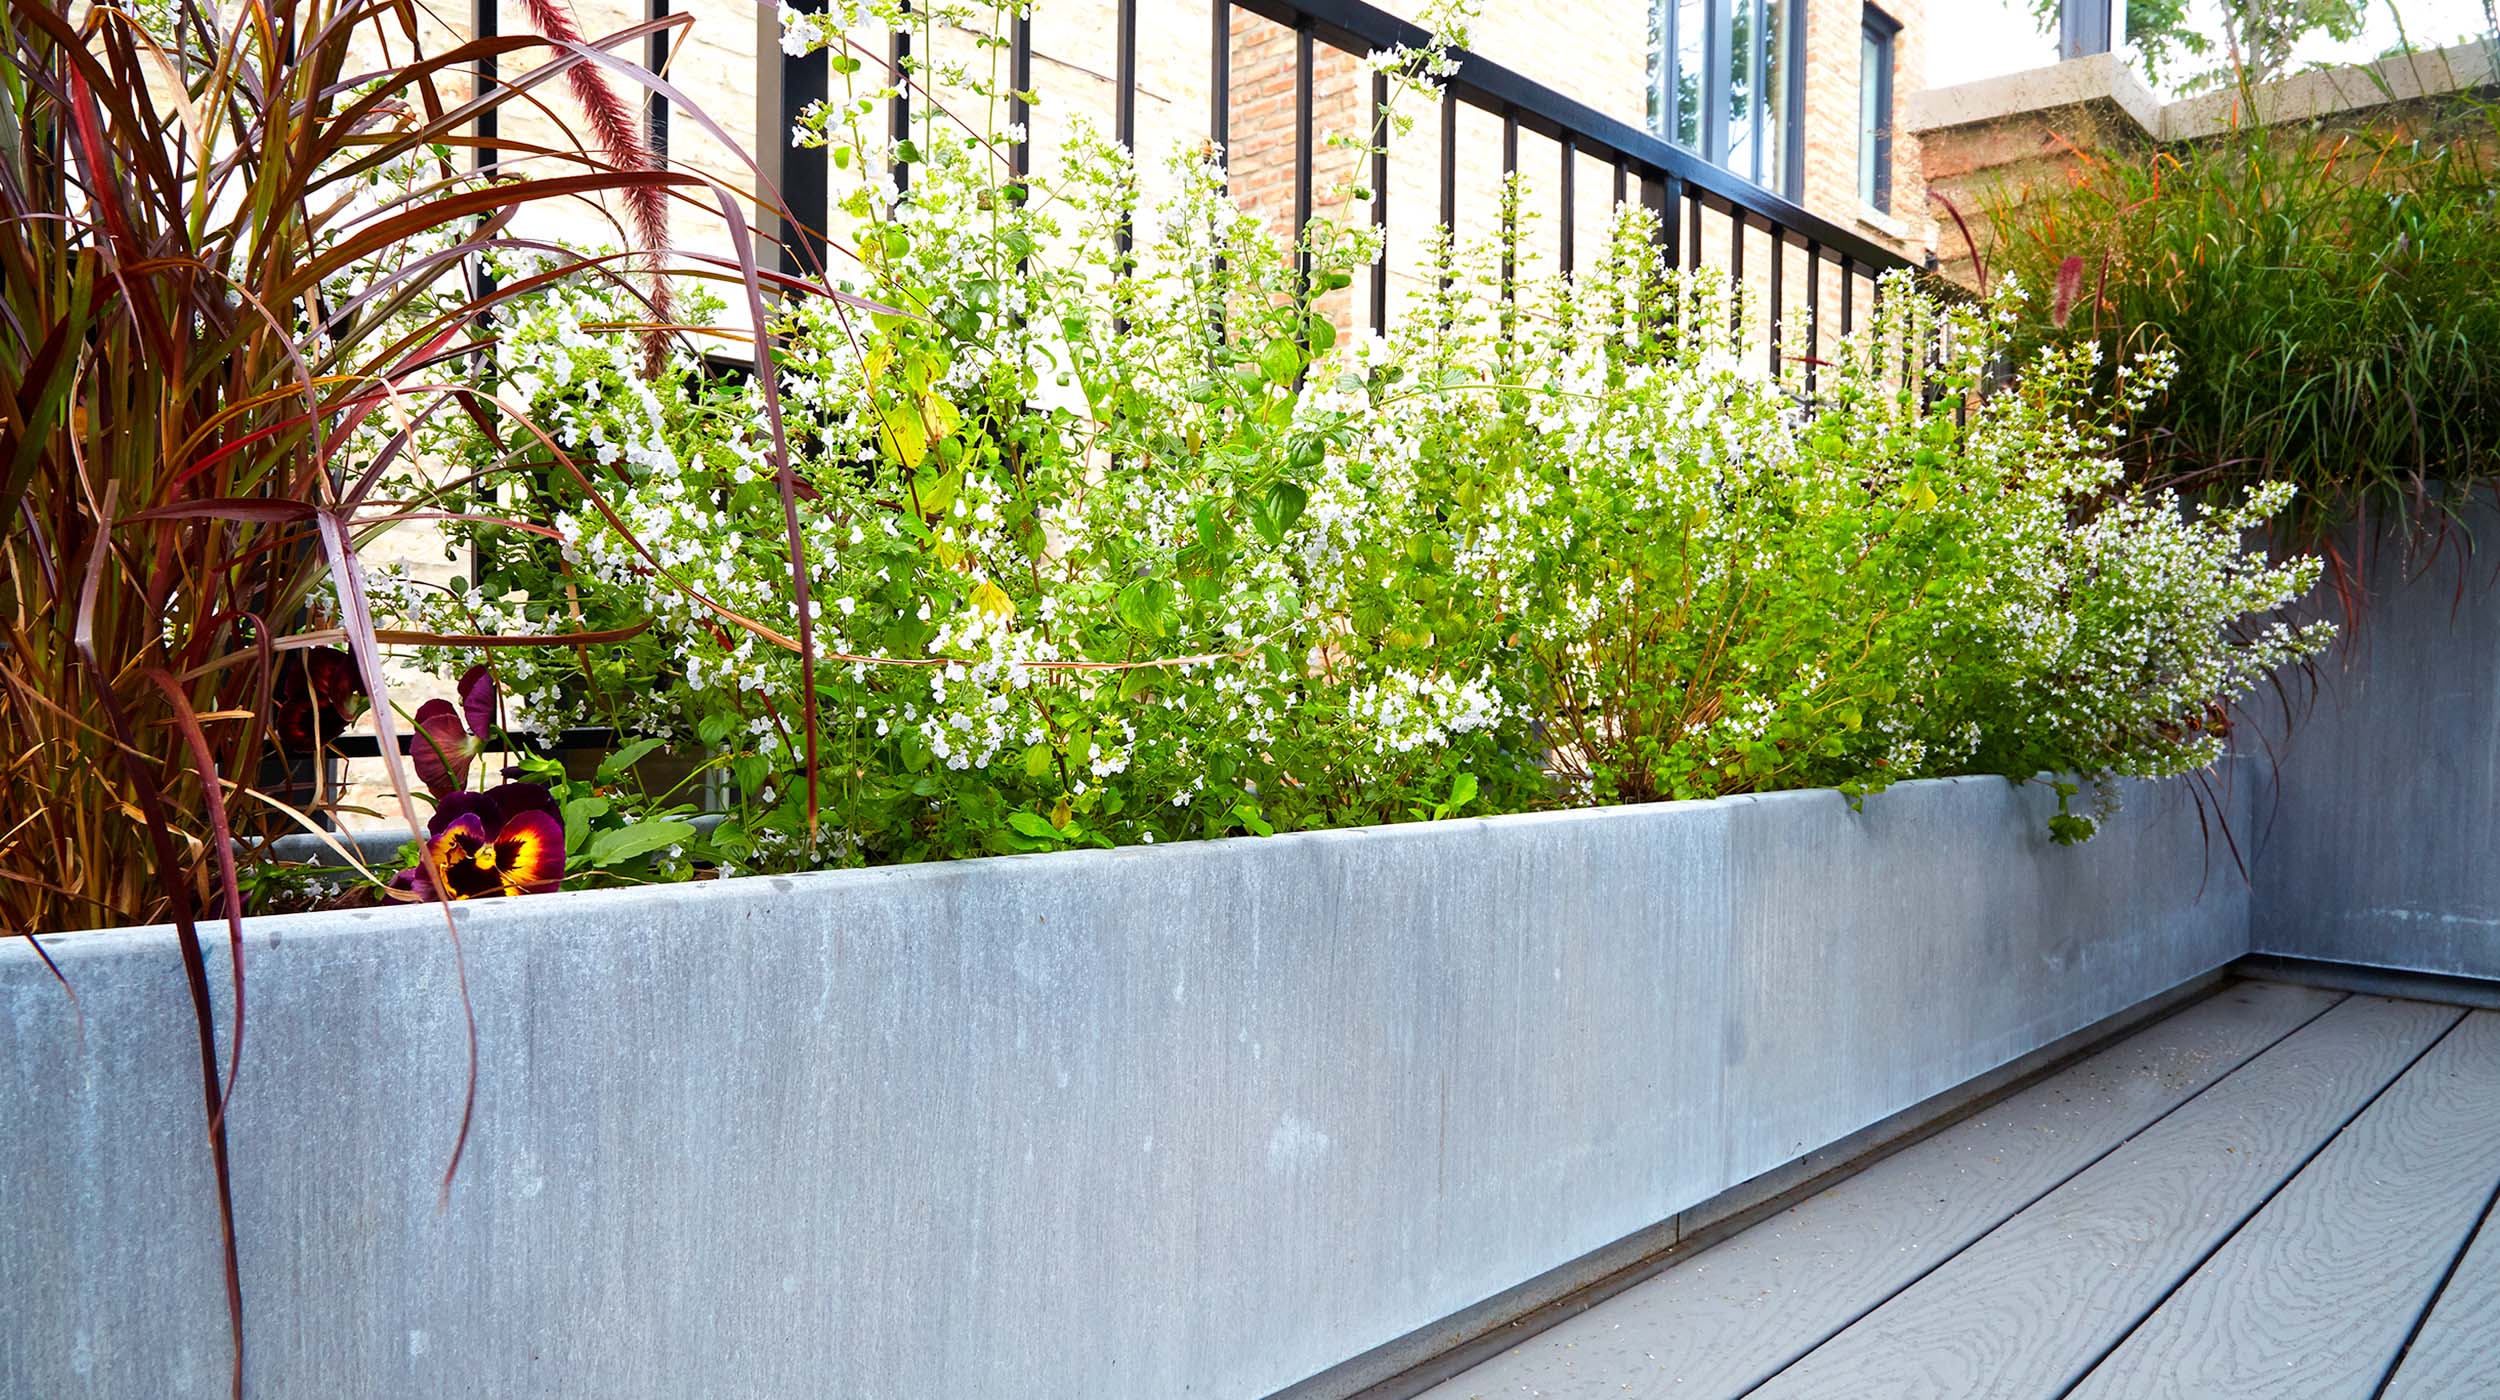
point(1881, 32)
point(1719, 19)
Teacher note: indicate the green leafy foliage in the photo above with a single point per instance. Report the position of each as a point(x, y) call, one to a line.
point(1115, 546)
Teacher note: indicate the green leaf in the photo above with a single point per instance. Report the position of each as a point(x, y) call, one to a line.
point(618, 845)
point(1035, 825)
point(1280, 361)
point(1276, 512)
point(616, 765)
point(1462, 792)
point(1145, 606)
point(578, 815)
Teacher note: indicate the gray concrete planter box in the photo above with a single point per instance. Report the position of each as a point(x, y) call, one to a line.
point(1186, 1120)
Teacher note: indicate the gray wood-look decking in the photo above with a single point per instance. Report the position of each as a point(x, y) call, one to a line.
point(2277, 1191)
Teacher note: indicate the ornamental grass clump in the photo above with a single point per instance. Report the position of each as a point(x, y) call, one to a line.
point(2328, 293)
point(1118, 541)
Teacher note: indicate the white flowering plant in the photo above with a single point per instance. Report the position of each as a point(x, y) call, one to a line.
point(1110, 533)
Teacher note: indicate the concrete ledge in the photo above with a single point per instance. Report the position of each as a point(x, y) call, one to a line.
point(2096, 78)
point(2104, 80)
point(1198, 1119)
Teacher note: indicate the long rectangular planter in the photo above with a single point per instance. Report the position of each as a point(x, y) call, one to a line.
point(1187, 1120)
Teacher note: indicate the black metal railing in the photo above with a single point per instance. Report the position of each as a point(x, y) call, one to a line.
point(1676, 185)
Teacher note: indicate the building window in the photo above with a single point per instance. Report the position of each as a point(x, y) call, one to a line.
point(1727, 81)
point(1875, 109)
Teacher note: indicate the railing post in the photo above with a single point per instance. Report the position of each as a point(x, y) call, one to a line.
point(797, 178)
point(1570, 199)
point(655, 58)
point(1380, 200)
point(898, 48)
point(1220, 78)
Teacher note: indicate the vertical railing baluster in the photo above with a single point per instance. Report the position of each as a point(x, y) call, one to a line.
point(1380, 201)
point(1220, 76)
point(1736, 273)
point(1692, 227)
point(798, 177)
point(1569, 231)
point(1620, 180)
point(1670, 228)
point(1305, 64)
point(1124, 118)
point(898, 116)
point(1124, 78)
point(655, 58)
point(1019, 109)
point(1779, 307)
point(1814, 313)
point(1449, 159)
point(484, 24)
point(1509, 206)
point(1449, 168)
point(1658, 197)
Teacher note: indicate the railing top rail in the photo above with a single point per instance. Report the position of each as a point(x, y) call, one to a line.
point(1479, 82)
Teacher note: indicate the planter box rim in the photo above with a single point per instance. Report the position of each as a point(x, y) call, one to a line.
point(479, 913)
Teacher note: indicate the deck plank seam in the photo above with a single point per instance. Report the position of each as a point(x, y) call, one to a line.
point(2053, 1188)
point(1683, 1246)
point(2223, 1241)
point(2491, 1204)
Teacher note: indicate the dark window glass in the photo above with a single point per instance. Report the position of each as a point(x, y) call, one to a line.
point(1875, 110)
point(1724, 83)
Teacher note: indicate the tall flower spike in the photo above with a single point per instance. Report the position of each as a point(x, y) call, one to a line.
point(621, 133)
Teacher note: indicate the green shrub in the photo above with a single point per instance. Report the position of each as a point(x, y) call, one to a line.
point(1117, 548)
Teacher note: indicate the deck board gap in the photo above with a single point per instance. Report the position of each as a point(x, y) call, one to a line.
point(2483, 1226)
point(2261, 1206)
point(2047, 1191)
point(2146, 1314)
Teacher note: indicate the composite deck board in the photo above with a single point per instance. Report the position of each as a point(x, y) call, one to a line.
point(2030, 1307)
point(2316, 1294)
point(2457, 1352)
point(1724, 1320)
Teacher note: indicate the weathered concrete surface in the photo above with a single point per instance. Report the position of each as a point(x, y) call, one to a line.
point(1186, 1120)
point(2381, 845)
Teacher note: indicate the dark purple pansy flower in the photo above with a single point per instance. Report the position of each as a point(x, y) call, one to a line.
point(503, 841)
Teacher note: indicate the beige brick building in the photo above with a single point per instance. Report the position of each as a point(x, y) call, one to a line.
point(1598, 52)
